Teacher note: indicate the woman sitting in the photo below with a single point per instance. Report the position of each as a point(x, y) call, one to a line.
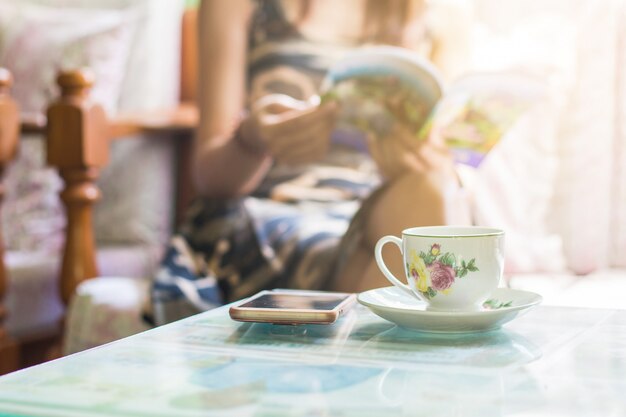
point(282, 204)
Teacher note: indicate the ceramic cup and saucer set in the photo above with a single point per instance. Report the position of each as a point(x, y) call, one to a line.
point(452, 276)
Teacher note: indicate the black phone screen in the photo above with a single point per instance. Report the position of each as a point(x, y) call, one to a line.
point(296, 301)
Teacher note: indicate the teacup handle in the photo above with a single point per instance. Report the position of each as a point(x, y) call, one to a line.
point(378, 254)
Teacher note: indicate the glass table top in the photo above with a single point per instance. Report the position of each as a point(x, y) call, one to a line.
point(552, 361)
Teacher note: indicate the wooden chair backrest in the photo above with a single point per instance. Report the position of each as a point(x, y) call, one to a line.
point(78, 139)
point(9, 131)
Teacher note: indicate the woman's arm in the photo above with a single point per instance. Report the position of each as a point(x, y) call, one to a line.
point(223, 165)
point(233, 155)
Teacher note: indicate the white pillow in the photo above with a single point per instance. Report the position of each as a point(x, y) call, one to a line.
point(151, 79)
point(38, 41)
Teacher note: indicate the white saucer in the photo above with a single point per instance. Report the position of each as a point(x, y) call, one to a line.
point(394, 305)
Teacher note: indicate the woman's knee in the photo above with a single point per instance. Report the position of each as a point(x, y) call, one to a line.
point(418, 199)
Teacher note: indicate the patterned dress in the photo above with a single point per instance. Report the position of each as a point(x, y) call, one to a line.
point(291, 231)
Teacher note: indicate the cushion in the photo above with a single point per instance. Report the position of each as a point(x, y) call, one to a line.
point(33, 217)
point(133, 47)
point(32, 299)
point(138, 198)
point(151, 78)
point(137, 205)
point(137, 261)
point(104, 309)
point(138, 188)
point(37, 41)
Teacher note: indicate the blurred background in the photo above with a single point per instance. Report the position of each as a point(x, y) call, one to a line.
point(546, 77)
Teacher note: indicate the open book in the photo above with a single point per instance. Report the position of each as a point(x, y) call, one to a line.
point(378, 87)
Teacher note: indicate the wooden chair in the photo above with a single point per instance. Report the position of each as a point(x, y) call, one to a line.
point(9, 131)
point(78, 135)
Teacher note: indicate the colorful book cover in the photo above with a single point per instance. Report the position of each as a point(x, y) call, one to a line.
point(378, 87)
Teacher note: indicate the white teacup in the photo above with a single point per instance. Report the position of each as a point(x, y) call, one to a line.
point(448, 267)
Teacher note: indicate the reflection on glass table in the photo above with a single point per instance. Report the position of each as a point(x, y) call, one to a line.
point(552, 361)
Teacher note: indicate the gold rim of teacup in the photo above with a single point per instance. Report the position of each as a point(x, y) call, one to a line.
point(486, 231)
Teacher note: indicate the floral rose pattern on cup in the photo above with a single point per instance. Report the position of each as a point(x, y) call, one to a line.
point(435, 271)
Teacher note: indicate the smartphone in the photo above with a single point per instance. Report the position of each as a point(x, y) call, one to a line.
point(293, 307)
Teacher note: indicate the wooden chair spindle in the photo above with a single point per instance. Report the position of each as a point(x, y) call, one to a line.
point(78, 147)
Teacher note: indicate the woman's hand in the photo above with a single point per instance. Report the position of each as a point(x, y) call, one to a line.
point(292, 131)
point(401, 152)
